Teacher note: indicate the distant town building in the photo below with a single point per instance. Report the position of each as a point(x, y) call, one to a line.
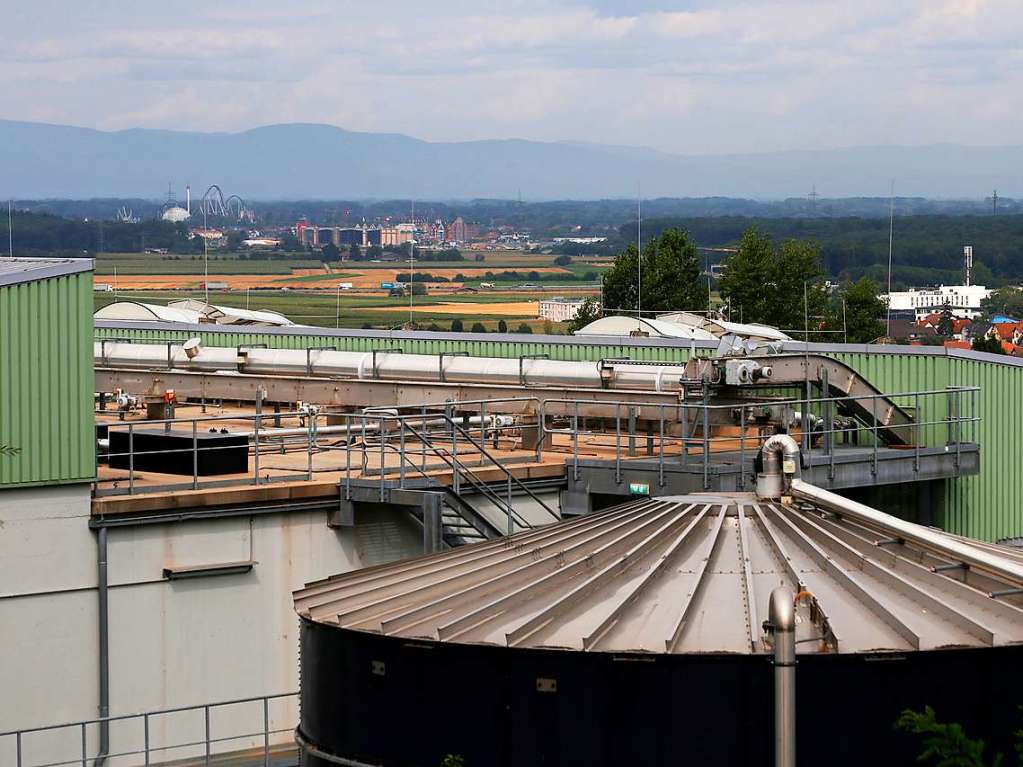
point(398, 234)
point(456, 232)
point(964, 300)
point(560, 309)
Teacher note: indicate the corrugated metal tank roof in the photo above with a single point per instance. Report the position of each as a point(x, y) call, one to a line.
point(688, 574)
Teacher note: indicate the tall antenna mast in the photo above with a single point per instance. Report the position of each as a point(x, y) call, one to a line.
point(411, 264)
point(639, 251)
point(891, 233)
point(994, 203)
point(10, 230)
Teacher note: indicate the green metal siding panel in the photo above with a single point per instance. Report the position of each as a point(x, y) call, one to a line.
point(46, 381)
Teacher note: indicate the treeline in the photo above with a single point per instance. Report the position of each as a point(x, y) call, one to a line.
point(506, 276)
point(926, 248)
point(45, 234)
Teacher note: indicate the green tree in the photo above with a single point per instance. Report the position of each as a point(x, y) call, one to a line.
point(746, 275)
point(562, 260)
point(989, 345)
point(864, 311)
point(456, 325)
point(946, 744)
point(330, 252)
point(502, 326)
point(946, 322)
point(670, 280)
point(619, 282)
point(374, 251)
point(523, 328)
point(1007, 301)
point(764, 282)
point(588, 312)
point(478, 327)
point(355, 252)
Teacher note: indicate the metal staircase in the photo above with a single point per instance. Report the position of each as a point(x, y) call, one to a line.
point(461, 521)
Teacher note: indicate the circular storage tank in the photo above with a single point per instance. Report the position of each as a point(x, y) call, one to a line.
point(634, 636)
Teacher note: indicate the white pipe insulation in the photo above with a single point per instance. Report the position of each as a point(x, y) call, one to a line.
point(927, 537)
point(388, 365)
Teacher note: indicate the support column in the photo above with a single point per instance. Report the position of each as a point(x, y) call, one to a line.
point(433, 526)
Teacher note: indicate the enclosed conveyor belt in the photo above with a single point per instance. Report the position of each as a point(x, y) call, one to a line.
point(866, 402)
point(390, 365)
point(863, 400)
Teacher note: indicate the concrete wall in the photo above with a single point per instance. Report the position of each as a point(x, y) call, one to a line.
point(172, 643)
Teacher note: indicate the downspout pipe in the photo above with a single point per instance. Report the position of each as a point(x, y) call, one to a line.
point(782, 622)
point(104, 648)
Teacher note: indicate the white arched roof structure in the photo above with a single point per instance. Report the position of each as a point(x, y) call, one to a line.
point(136, 310)
point(627, 326)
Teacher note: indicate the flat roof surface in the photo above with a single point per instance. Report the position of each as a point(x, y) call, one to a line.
point(17, 270)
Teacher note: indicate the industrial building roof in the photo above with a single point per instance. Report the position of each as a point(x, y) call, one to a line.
point(17, 270)
point(693, 574)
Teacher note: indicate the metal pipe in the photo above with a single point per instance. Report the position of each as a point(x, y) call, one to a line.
point(104, 647)
point(780, 455)
point(781, 615)
point(938, 542)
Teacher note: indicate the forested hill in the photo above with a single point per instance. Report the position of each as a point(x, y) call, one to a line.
point(926, 248)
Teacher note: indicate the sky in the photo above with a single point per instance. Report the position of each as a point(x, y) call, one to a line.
point(701, 77)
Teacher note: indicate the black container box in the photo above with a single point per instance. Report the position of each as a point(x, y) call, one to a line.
point(171, 452)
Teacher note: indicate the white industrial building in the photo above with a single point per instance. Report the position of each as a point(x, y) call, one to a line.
point(964, 300)
point(560, 309)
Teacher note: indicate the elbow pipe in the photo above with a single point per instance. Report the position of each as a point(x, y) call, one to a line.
point(777, 449)
point(780, 458)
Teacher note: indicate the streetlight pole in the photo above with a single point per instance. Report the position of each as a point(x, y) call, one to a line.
point(205, 259)
point(639, 251)
point(411, 265)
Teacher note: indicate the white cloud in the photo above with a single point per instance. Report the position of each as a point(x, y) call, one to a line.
point(709, 77)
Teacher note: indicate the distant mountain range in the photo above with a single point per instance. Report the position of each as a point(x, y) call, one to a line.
point(303, 161)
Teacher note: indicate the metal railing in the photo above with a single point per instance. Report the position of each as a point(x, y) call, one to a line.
point(141, 739)
point(684, 432)
point(453, 437)
point(447, 435)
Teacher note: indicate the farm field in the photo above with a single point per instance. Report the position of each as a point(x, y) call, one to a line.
point(305, 290)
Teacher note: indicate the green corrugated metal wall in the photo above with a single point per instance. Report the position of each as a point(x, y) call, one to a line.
point(46, 381)
point(989, 506)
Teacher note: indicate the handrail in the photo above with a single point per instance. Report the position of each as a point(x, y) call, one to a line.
point(155, 712)
point(484, 488)
point(501, 466)
point(476, 482)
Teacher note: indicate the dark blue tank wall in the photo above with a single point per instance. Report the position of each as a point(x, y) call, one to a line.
point(392, 701)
